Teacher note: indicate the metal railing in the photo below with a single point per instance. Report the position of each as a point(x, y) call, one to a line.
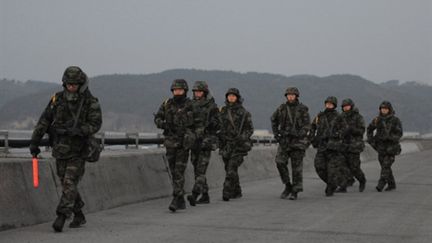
point(130, 140)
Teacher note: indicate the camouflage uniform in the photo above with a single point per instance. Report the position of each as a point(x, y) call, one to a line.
point(326, 136)
point(69, 143)
point(234, 145)
point(290, 125)
point(386, 143)
point(353, 140)
point(175, 117)
point(206, 125)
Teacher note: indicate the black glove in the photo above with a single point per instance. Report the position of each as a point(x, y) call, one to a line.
point(74, 132)
point(34, 150)
point(161, 125)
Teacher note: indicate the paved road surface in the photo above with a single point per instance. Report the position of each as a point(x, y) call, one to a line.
point(404, 215)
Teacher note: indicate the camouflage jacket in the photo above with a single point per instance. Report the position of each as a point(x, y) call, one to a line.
point(59, 116)
point(327, 131)
point(206, 122)
point(230, 139)
point(388, 133)
point(291, 124)
point(355, 128)
point(176, 119)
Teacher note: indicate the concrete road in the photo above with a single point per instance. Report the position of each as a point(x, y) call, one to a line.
point(404, 215)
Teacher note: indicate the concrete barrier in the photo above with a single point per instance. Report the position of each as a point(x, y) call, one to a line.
point(124, 177)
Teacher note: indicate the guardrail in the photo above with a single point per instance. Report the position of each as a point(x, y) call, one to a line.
point(131, 139)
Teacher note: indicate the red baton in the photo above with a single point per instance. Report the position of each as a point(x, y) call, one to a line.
point(35, 172)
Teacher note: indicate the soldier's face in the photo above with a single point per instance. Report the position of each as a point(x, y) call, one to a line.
point(291, 97)
point(384, 111)
point(329, 105)
point(199, 94)
point(73, 88)
point(178, 92)
point(232, 98)
point(346, 108)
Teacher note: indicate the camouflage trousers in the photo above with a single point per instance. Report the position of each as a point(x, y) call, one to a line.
point(231, 186)
point(200, 160)
point(386, 176)
point(177, 161)
point(70, 172)
point(329, 167)
point(352, 169)
point(296, 157)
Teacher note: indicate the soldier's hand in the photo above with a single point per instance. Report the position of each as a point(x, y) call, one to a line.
point(34, 150)
point(278, 137)
point(74, 132)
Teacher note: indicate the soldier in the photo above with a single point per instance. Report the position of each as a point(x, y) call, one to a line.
point(355, 128)
point(386, 142)
point(175, 117)
point(206, 125)
point(290, 125)
point(326, 136)
point(235, 142)
point(70, 118)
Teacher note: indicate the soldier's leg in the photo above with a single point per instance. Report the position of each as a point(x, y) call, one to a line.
point(335, 176)
point(297, 170)
point(282, 165)
point(382, 180)
point(70, 172)
point(320, 164)
point(195, 160)
point(171, 158)
point(200, 172)
point(355, 164)
point(389, 160)
point(182, 156)
point(227, 190)
point(348, 171)
point(237, 188)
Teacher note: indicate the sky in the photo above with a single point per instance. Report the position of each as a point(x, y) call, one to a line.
point(378, 39)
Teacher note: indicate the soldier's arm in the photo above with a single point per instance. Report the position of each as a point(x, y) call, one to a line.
point(44, 123)
point(313, 128)
point(306, 124)
point(94, 119)
point(214, 122)
point(159, 118)
point(248, 126)
point(397, 130)
point(359, 128)
point(371, 128)
point(275, 122)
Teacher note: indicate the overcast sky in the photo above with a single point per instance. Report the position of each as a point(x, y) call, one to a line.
point(377, 39)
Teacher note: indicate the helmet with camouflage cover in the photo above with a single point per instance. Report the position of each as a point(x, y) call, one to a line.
point(331, 99)
point(386, 104)
point(74, 75)
point(233, 91)
point(179, 84)
point(201, 86)
point(347, 102)
point(292, 90)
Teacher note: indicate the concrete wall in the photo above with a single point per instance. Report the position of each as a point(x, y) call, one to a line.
point(123, 177)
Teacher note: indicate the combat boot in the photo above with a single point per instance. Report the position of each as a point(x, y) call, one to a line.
point(173, 205)
point(192, 198)
point(205, 199)
point(362, 186)
point(390, 187)
point(225, 197)
point(293, 196)
point(286, 191)
point(59, 223)
point(78, 220)
point(329, 191)
point(341, 190)
point(181, 203)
